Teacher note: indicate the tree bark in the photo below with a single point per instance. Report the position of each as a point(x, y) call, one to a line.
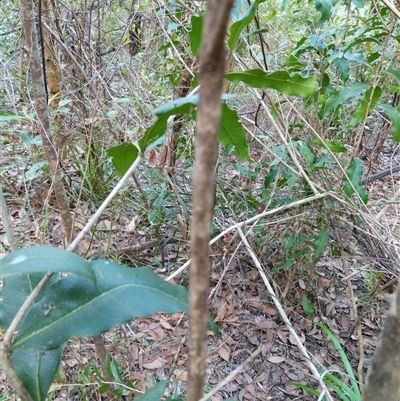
point(383, 379)
point(42, 112)
point(212, 65)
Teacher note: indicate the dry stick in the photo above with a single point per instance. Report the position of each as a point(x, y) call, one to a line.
point(302, 349)
point(255, 218)
point(392, 8)
point(103, 206)
point(212, 66)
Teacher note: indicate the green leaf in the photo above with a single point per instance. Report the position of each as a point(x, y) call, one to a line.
point(354, 174)
point(324, 7)
point(358, 3)
point(270, 178)
point(154, 132)
point(282, 81)
point(339, 97)
point(183, 105)
point(123, 156)
point(394, 116)
point(12, 117)
point(307, 305)
point(41, 259)
point(195, 33)
point(237, 27)
point(37, 369)
point(231, 132)
point(153, 394)
point(15, 290)
point(334, 146)
point(320, 243)
point(75, 306)
point(366, 106)
point(395, 73)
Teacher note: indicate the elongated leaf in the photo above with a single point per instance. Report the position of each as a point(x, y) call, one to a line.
point(394, 116)
point(307, 305)
point(182, 105)
point(324, 7)
point(354, 174)
point(123, 156)
point(366, 106)
point(154, 132)
point(41, 259)
point(75, 306)
point(154, 393)
point(12, 117)
point(232, 133)
point(237, 27)
point(320, 242)
point(282, 81)
point(333, 145)
point(14, 292)
point(338, 98)
point(195, 33)
point(37, 369)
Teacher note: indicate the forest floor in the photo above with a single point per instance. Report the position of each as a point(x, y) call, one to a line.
point(155, 348)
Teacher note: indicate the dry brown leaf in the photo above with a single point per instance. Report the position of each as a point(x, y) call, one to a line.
point(275, 359)
point(224, 353)
point(165, 324)
point(153, 363)
point(181, 374)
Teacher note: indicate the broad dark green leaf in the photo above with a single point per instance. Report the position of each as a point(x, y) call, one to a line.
point(324, 7)
point(182, 105)
point(270, 178)
point(320, 243)
point(394, 116)
point(154, 132)
point(237, 27)
point(195, 33)
point(14, 292)
point(231, 132)
point(282, 81)
point(338, 98)
point(366, 106)
point(123, 156)
point(307, 305)
point(75, 306)
point(41, 259)
point(354, 174)
point(37, 369)
point(153, 394)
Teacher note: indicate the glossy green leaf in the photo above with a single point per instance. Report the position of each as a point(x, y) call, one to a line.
point(324, 7)
point(123, 156)
point(307, 305)
point(237, 27)
point(366, 106)
point(282, 81)
point(153, 394)
point(41, 259)
point(395, 73)
point(154, 132)
point(75, 306)
point(354, 174)
point(15, 290)
point(339, 97)
point(320, 243)
point(232, 133)
point(195, 33)
point(182, 105)
point(37, 369)
point(394, 116)
point(358, 3)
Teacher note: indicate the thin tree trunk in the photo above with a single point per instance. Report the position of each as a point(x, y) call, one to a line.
point(42, 111)
point(383, 379)
point(212, 65)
